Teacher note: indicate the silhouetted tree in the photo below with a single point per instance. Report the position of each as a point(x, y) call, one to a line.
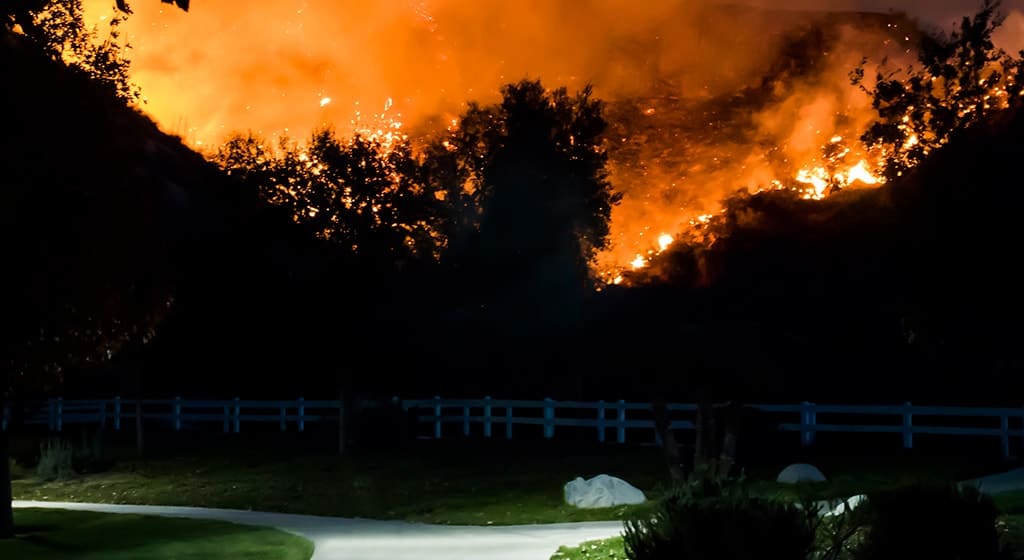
point(90, 220)
point(58, 27)
point(961, 78)
point(359, 193)
point(535, 167)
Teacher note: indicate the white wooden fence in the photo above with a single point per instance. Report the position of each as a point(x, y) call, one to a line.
point(906, 419)
point(619, 417)
point(229, 414)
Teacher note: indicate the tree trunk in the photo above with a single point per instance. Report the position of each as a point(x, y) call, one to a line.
point(6, 495)
point(732, 414)
point(341, 420)
point(663, 425)
point(704, 452)
point(140, 434)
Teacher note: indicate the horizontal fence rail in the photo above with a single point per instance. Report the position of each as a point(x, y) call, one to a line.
point(178, 412)
point(621, 418)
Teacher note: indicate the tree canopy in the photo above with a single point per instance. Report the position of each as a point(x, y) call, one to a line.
point(960, 79)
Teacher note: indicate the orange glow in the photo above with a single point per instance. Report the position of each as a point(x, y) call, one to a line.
point(405, 68)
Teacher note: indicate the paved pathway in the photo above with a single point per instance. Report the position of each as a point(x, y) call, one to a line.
point(366, 539)
point(998, 483)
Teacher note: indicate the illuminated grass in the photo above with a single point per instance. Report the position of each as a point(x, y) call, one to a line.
point(59, 535)
point(445, 484)
point(453, 486)
point(605, 549)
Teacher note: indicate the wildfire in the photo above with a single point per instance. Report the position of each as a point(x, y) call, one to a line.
point(680, 140)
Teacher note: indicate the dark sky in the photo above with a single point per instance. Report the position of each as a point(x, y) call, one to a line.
point(936, 11)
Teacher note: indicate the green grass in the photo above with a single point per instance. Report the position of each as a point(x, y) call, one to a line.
point(497, 486)
point(1011, 503)
point(605, 549)
point(493, 484)
point(60, 535)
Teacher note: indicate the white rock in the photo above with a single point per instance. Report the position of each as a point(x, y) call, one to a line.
point(800, 472)
point(602, 491)
point(839, 507)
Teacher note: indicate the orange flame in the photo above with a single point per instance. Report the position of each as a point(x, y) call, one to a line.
point(268, 68)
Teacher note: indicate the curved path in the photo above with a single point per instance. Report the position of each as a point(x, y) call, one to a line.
point(366, 539)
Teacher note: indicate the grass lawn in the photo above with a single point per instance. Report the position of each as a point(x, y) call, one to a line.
point(604, 549)
point(495, 485)
point(75, 535)
point(435, 482)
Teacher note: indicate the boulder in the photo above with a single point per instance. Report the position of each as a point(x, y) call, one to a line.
point(800, 472)
point(602, 491)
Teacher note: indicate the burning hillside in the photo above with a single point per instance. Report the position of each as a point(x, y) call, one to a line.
point(703, 101)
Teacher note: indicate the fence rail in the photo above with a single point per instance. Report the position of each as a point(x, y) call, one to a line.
point(178, 412)
point(621, 417)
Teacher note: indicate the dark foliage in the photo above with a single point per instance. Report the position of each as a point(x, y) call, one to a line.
point(709, 521)
point(357, 193)
point(534, 166)
point(931, 522)
point(58, 28)
point(961, 79)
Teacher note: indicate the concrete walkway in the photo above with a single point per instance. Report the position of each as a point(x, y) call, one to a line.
point(366, 539)
point(1009, 481)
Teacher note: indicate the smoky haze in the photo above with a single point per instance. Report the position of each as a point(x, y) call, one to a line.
point(289, 66)
point(269, 65)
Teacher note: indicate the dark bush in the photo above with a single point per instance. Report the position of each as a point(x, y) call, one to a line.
point(55, 460)
point(714, 522)
point(381, 425)
point(933, 522)
point(92, 454)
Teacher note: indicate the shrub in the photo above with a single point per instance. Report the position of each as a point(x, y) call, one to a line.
point(55, 460)
point(709, 521)
point(91, 454)
point(943, 522)
point(16, 470)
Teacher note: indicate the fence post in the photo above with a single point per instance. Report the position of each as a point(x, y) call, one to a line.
point(508, 422)
point(227, 418)
point(908, 426)
point(60, 414)
point(284, 418)
point(238, 415)
point(487, 417)
point(51, 414)
point(549, 418)
point(437, 417)
point(808, 420)
point(103, 415)
point(1004, 429)
point(6, 416)
point(465, 421)
point(600, 421)
point(302, 414)
point(117, 413)
point(177, 414)
point(622, 422)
